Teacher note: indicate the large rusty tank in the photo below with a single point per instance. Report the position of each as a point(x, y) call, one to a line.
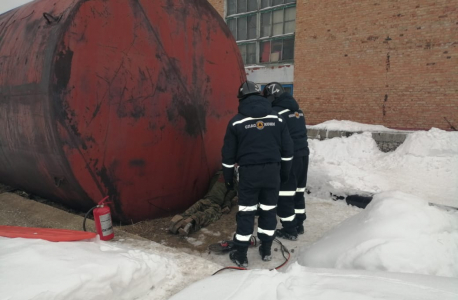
point(125, 98)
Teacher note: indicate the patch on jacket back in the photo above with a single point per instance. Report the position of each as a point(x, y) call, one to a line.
point(259, 125)
point(296, 115)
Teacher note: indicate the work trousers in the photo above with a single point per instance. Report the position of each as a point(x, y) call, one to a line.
point(291, 202)
point(258, 185)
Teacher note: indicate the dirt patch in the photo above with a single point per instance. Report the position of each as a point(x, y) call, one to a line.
point(157, 230)
point(29, 196)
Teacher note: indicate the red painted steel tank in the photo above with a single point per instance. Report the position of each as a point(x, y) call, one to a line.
point(125, 98)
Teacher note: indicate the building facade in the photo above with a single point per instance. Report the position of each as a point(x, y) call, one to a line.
point(392, 63)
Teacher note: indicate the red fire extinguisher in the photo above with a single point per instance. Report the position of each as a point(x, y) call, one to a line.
point(102, 219)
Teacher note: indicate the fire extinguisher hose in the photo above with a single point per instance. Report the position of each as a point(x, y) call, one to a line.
point(85, 217)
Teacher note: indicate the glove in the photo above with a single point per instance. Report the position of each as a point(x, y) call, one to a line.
point(229, 185)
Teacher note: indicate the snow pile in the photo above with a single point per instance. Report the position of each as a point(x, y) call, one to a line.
point(424, 165)
point(79, 270)
point(432, 143)
point(337, 125)
point(300, 283)
point(341, 166)
point(397, 233)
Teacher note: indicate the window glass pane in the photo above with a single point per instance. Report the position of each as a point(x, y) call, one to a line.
point(251, 53)
point(252, 5)
point(278, 16)
point(241, 29)
point(265, 24)
point(290, 14)
point(277, 22)
point(290, 26)
point(290, 20)
point(288, 49)
point(231, 7)
point(287, 89)
point(252, 27)
point(241, 6)
point(242, 49)
point(275, 53)
point(232, 26)
point(264, 53)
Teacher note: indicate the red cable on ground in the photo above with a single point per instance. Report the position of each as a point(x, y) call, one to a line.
point(283, 250)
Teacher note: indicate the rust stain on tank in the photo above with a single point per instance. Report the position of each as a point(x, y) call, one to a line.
point(118, 98)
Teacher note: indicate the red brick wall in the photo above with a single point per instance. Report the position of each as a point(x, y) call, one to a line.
point(347, 68)
point(387, 62)
point(218, 5)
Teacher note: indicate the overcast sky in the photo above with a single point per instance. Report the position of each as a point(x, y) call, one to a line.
point(6, 5)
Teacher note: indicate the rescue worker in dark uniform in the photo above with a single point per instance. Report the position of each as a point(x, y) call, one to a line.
point(291, 202)
point(257, 139)
point(207, 210)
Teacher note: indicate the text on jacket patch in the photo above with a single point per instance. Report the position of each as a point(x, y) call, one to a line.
point(259, 125)
point(296, 115)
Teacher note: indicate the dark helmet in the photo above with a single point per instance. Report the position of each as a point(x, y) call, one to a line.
point(273, 89)
point(248, 88)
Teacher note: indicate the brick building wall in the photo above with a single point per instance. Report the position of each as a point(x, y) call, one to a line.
point(387, 62)
point(393, 63)
point(219, 6)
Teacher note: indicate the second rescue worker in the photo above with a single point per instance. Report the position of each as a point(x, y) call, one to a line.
point(291, 203)
point(257, 139)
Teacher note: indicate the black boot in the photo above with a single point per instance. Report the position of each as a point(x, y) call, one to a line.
point(286, 235)
point(265, 252)
point(300, 229)
point(238, 256)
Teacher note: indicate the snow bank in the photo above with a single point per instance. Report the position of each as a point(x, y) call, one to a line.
point(319, 284)
point(432, 143)
point(396, 232)
point(341, 166)
point(424, 165)
point(38, 269)
point(343, 125)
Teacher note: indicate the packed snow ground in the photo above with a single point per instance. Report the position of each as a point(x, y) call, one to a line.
point(398, 247)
